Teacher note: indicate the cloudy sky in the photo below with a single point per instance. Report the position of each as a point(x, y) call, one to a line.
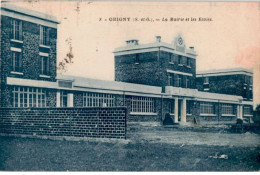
point(231, 39)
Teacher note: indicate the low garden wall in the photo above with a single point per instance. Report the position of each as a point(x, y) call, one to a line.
point(75, 122)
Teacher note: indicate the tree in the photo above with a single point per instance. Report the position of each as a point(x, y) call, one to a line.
point(67, 60)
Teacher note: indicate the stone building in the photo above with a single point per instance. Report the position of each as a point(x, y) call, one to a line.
point(151, 80)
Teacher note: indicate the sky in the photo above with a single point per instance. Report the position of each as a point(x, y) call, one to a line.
point(231, 39)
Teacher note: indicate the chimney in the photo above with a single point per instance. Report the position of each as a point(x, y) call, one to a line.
point(132, 42)
point(158, 39)
point(191, 48)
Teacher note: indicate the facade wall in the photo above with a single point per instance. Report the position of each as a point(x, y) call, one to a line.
point(168, 63)
point(240, 85)
point(30, 58)
point(7, 100)
point(51, 96)
point(151, 68)
point(127, 69)
point(148, 68)
point(75, 122)
point(126, 101)
point(78, 99)
point(219, 115)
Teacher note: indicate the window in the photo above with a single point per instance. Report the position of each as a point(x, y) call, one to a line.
point(63, 99)
point(91, 99)
point(16, 29)
point(245, 79)
point(28, 97)
point(188, 82)
point(171, 107)
point(206, 80)
point(207, 108)
point(44, 35)
point(137, 59)
point(247, 110)
point(179, 80)
point(44, 65)
point(142, 104)
point(227, 109)
point(188, 62)
point(170, 79)
point(16, 63)
point(179, 59)
point(251, 81)
point(206, 86)
point(171, 58)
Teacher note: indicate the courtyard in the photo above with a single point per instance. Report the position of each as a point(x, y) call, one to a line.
point(148, 147)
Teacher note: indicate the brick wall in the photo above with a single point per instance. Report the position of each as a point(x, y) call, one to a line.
point(30, 50)
point(30, 63)
point(228, 84)
point(142, 117)
point(217, 118)
point(75, 122)
point(127, 70)
point(151, 68)
point(165, 64)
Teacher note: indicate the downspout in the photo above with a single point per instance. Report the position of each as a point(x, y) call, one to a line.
point(161, 107)
point(159, 56)
point(218, 111)
point(124, 99)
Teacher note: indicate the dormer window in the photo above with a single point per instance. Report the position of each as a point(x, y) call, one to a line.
point(44, 36)
point(16, 29)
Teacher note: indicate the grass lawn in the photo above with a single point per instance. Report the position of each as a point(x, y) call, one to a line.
point(139, 153)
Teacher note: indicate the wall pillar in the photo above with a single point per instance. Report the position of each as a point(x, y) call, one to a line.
point(241, 112)
point(58, 99)
point(70, 100)
point(238, 111)
point(183, 110)
point(176, 110)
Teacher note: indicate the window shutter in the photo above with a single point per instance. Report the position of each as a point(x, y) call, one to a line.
point(175, 59)
point(41, 35)
point(12, 29)
point(12, 61)
point(48, 65)
point(183, 60)
point(41, 64)
point(176, 81)
point(20, 30)
point(48, 36)
point(20, 62)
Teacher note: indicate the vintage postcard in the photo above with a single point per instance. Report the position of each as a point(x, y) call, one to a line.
point(130, 86)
